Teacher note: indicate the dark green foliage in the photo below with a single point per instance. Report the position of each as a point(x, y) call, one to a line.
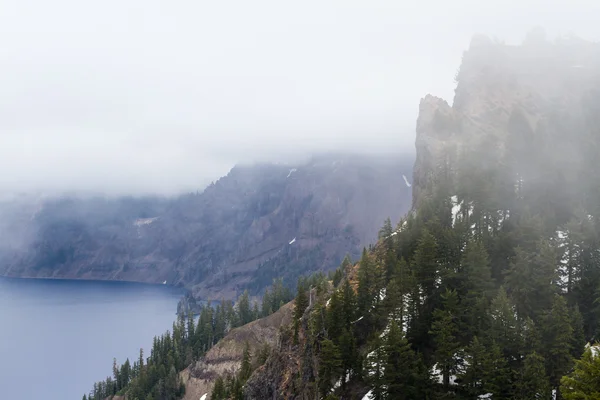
point(366, 283)
point(533, 383)
point(300, 305)
point(444, 330)
point(583, 383)
point(246, 368)
point(329, 366)
point(557, 334)
point(404, 376)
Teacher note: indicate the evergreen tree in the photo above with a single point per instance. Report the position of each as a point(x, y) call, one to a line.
point(347, 346)
point(478, 286)
point(426, 263)
point(444, 331)
point(218, 392)
point(584, 381)
point(403, 377)
point(243, 309)
point(503, 325)
point(366, 283)
point(266, 308)
point(301, 304)
point(557, 334)
point(498, 374)
point(578, 343)
point(472, 377)
point(246, 367)
point(375, 365)
point(329, 366)
point(533, 383)
point(348, 303)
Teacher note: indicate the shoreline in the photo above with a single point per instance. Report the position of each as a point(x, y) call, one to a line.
point(91, 280)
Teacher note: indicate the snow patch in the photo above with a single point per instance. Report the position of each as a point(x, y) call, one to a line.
point(485, 396)
point(439, 377)
point(144, 221)
point(595, 349)
point(291, 172)
point(406, 181)
point(369, 396)
point(292, 241)
point(204, 396)
point(455, 208)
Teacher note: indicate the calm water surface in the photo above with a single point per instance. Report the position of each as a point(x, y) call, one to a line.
point(59, 336)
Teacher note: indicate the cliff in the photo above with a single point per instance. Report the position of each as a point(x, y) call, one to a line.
point(257, 223)
point(511, 104)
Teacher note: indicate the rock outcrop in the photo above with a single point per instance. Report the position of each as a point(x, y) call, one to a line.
point(525, 96)
point(226, 356)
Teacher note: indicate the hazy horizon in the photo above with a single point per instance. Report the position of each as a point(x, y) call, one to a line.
point(162, 98)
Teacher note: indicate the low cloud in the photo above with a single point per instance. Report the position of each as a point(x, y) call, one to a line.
point(162, 97)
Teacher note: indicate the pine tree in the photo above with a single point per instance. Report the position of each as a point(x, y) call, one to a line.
point(503, 325)
point(366, 284)
point(375, 365)
point(386, 231)
point(578, 343)
point(403, 378)
point(301, 304)
point(584, 381)
point(266, 308)
point(218, 392)
point(444, 331)
point(243, 308)
point(497, 374)
point(478, 285)
point(335, 315)
point(246, 367)
point(557, 335)
point(426, 263)
point(533, 383)
point(347, 346)
point(472, 377)
point(329, 366)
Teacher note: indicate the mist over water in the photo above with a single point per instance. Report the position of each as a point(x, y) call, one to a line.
point(58, 337)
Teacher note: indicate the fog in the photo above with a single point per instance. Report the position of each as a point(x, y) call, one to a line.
point(141, 97)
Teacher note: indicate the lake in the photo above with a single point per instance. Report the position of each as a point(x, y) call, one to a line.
point(57, 337)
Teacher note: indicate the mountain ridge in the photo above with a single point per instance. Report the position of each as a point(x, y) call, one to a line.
point(254, 224)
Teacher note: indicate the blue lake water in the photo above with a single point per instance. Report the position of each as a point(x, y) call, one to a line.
point(57, 337)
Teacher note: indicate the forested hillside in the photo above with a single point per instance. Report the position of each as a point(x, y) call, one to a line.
point(490, 287)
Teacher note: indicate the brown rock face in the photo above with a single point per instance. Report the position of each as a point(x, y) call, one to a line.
point(226, 356)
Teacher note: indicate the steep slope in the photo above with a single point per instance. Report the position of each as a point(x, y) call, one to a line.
point(225, 357)
point(256, 223)
point(487, 288)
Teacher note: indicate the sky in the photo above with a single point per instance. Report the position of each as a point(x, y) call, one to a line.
point(147, 96)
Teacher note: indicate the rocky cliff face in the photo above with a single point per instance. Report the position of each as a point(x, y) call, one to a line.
point(511, 103)
point(256, 223)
